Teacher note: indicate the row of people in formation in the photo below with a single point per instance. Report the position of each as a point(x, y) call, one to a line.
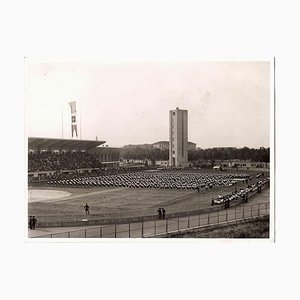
point(157, 180)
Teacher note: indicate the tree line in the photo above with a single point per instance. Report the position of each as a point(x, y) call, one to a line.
point(258, 155)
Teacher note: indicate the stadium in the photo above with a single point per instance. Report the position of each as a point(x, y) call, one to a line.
point(77, 184)
point(64, 175)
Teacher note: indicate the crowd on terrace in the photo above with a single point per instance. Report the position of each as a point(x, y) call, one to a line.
point(49, 161)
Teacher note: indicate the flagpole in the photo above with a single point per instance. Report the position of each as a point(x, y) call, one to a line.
point(62, 122)
point(80, 123)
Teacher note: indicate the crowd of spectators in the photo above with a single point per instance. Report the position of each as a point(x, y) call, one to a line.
point(50, 161)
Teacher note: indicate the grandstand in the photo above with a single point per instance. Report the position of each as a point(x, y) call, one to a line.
point(50, 157)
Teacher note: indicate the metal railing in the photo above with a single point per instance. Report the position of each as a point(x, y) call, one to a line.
point(154, 228)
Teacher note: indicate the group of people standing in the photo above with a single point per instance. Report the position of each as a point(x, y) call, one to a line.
point(161, 213)
point(32, 222)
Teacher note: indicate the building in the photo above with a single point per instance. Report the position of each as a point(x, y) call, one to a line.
point(162, 163)
point(108, 156)
point(178, 142)
point(243, 164)
point(163, 145)
point(191, 146)
point(142, 146)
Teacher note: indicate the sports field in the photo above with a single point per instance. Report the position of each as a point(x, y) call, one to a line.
point(67, 203)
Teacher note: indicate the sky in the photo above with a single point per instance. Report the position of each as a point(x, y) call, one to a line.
point(228, 103)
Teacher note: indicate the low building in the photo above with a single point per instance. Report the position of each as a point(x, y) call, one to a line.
point(108, 156)
point(162, 163)
point(164, 145)
point(191, 146)
point(235, 163)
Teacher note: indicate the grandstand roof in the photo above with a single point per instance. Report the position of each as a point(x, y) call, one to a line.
point(61, 144)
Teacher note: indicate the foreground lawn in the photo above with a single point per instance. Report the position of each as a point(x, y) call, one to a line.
point(258, 228)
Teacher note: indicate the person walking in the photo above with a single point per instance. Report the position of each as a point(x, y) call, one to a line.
point(33, 220)
point(159, 213)
point(87, 209)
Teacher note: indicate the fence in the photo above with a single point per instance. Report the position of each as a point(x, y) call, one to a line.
point(155, 228)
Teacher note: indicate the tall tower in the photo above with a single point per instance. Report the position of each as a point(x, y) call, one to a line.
point(178, 143)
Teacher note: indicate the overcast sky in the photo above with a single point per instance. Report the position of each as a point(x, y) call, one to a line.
point(228, 103)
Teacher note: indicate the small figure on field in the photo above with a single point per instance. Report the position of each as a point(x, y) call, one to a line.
point(87, 209)
point(163, 213)
point(33, 222)
point(30, 222)
point(227, 203)
point(159, 213)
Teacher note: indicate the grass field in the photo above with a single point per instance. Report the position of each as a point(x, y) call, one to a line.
point(113, 203)
point(257, 228)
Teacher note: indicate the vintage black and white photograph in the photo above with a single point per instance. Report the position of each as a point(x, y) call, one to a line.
point(158, 150)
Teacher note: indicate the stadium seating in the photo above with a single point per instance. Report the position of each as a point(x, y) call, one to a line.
point(48, 161)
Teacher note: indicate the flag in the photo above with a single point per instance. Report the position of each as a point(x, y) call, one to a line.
point(73, 117)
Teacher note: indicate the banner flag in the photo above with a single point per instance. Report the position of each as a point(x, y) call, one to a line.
point(73, 117)
point(74, 128)
point(73, 107)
